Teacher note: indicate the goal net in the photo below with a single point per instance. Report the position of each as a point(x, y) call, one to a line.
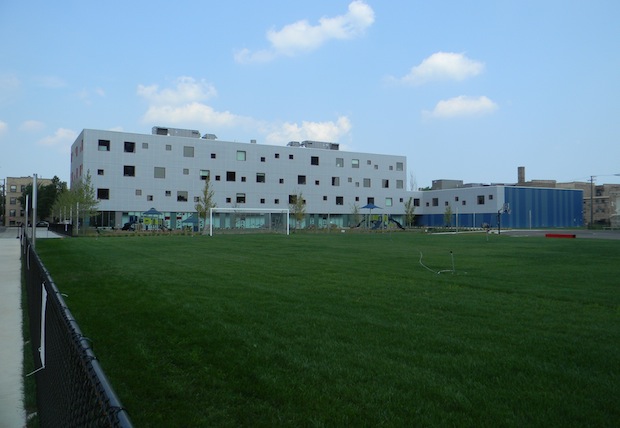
point(254, 220)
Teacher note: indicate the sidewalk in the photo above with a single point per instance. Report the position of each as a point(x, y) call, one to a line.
point(12, 413)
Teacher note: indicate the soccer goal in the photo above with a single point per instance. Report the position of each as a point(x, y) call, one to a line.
point(228, 220)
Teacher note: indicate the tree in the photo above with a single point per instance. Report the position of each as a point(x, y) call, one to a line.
point(46, 196)
point(355, 211)
point(297, 205)
point(447, 216)
point(409, 212)
point(205, 202)
point(80, 199)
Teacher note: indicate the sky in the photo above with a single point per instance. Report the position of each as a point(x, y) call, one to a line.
point(466, 90)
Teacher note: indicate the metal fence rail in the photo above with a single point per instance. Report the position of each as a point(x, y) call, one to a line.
point(72, 389)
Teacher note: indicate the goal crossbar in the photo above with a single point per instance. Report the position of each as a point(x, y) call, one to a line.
point(249, 210)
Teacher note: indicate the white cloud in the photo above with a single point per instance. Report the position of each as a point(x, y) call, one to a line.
point(61, 140)
point(186, 90)
point(3, 127)
point(51, 82)
point(190, 113)
point(32, 126)
point(463, 106)
point(182, 105)
point(300, 36)
point(321, 131)
point(443, 66)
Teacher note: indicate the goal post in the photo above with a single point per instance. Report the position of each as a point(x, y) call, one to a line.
point(272, 220)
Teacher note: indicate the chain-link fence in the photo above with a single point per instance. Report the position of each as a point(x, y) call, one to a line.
point(72, 390)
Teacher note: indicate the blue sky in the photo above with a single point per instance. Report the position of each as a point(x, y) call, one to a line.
point(465, 90)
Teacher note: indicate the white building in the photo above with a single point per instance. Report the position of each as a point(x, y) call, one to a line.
point(132, 173)
point(166, 170)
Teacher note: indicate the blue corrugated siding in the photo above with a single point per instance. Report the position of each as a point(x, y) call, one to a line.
point(535, 207)
point(529, 207)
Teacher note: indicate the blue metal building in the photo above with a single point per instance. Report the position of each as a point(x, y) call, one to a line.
point(510, 206)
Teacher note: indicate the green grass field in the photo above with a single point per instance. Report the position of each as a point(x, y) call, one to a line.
point(349, 329)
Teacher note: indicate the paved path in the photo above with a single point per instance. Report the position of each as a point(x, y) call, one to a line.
point(12, 414)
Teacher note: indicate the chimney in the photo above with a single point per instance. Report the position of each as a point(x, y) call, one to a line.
point(521, 175)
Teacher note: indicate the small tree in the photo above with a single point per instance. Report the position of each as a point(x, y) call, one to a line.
point(447, 216)
point(205, 202)
point(355, 212)
point(297, 205)
point(84, 200)
point(409, 212)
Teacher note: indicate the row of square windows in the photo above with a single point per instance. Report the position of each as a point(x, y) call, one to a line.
point(188, 152)
point(160, 172)
point(240, 198)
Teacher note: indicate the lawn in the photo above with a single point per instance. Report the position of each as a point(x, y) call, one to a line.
point(349, 329)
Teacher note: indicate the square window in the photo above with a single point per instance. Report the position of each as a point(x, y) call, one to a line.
point(367, 182)
point(416, 202)
point(262, 200)
point(399, 166)
point(314, 160)
point(241, 155)
point(168, 147)
point(324, 198)
point(339, 200)
point(231, 176)
point(446, 203)
point(168, 193)
point(103, 193)
point(185, 171)
point(260, 177)
point(181, 196)
point(159, 172)
point(385, 183)
point(240, 198)
point(464, 202)
point(480, 199)
point(435, 202)
point(370, 200)
point(276, 201)
point(228, 200)
point(145, 146)
point(301, 179)
point(339, 162)
point(368, 162)
point(400, 184)
point(335, 181)
point(277, 155)
point(456, 199)
point(205, 174)
point(376, 166)
point(213, 156)
point(217, 178)
point(188, 151)
point(196, 199)
point(104, 145)
point(490, 197)
point(388, 202)
point(290, 156)
point(99, 172)
point(316, 182)
point(281, 181)
point(243, 179)
point(129, 147)
point(262, 158)
point(355, 163)
point(129, 171)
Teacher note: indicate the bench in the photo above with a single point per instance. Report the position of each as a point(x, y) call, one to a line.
point(560, 235)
